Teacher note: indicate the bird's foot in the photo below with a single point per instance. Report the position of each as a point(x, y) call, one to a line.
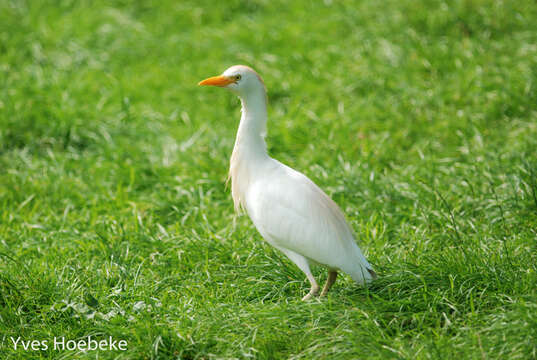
point(313, 292)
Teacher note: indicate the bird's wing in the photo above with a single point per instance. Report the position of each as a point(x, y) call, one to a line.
point(292, 212)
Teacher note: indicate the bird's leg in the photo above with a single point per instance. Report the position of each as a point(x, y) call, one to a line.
point(332, 275)
point(303, 265)
point(314, 287)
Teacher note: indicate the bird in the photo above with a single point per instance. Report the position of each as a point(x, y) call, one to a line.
point(287, 208)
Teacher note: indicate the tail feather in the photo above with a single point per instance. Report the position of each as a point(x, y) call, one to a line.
point(362, 274)
point(373, 274)
point(361, 271)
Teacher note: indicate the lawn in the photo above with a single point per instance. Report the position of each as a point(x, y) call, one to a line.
point(419, 118)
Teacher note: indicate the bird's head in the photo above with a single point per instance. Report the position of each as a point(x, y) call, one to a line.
point(240, 79)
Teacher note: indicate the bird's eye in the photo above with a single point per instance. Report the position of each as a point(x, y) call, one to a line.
point(238, 77)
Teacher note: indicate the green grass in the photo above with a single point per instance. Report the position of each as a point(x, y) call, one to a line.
point(418, 117)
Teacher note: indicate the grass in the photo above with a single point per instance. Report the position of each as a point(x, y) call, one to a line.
point(417, 117)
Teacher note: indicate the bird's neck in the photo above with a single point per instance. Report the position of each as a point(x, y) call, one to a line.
point(250, 151)
point(250, 138)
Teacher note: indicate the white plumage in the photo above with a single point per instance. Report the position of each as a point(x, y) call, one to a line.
point(291, 213)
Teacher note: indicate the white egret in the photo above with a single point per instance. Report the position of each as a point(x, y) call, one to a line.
point(292, 213)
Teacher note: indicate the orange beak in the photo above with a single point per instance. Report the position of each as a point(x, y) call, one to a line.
point(217, 81)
